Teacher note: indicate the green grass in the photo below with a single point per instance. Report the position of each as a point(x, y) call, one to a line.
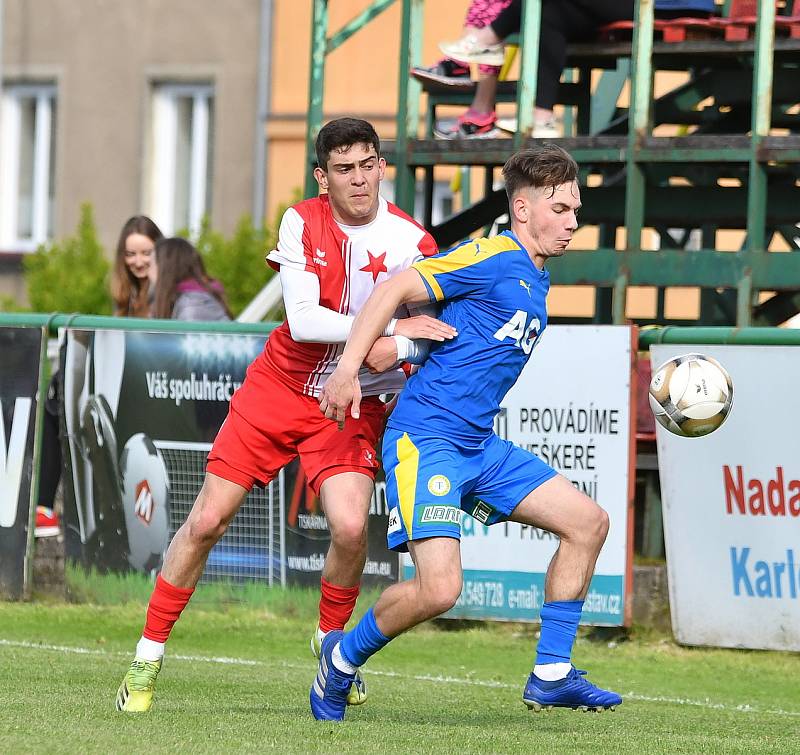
point(679, 700)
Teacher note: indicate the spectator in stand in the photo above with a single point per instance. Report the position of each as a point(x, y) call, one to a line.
point(130, 292)
point(129, 281)
point(562, 21)
point(183, 289)
point(473, 122)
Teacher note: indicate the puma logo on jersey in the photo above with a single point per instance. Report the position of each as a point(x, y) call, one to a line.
point(526, 286)
point(524, 334)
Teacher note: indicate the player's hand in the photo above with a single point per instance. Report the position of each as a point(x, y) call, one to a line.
point(341, 390)
point(382, 356)
point(424, 326)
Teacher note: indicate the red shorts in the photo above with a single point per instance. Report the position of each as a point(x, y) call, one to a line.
point(269, 424)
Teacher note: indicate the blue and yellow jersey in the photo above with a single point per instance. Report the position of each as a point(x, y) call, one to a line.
point(494, 296)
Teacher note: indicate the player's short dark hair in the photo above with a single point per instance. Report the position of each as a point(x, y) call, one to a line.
point(344, 132)
point(545, 166)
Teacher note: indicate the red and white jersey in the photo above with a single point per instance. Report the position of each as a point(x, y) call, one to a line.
point(349, 262)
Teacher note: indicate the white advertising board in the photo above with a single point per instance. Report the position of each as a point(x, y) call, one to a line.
point(731, 503)
point(571, 407)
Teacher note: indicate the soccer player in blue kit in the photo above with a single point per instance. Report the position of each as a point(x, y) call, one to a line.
point(440, 454)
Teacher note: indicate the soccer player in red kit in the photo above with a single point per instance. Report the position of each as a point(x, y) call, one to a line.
point(332, 251)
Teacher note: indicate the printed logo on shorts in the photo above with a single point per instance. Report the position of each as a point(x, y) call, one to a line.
point(439, 485)
point(481, 512)
point(441, 514)
point(369, 456)
point(394, 521)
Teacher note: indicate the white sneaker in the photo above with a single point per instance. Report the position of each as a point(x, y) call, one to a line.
point(507, 124)
point(541, 129)
point(547, 130)
point(469, 50)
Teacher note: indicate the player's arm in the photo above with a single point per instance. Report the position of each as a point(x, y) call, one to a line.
point(309, 321)
point(414, 351)
point(342, 388)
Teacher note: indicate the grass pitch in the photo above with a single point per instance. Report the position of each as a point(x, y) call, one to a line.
point(237, 675)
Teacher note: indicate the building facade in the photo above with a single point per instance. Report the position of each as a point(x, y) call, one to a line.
point(151, 106)
point(146, 106)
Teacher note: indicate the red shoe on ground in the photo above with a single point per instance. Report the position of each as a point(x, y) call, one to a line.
point(47, 524)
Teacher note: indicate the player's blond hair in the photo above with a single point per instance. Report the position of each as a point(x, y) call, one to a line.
point(542, 167)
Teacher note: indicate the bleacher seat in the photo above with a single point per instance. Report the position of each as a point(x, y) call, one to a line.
point(739, 25)
point(790, 25)
point(694, 22)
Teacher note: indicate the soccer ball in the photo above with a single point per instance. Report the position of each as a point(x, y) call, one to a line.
point(145, 499)
point(691, 395)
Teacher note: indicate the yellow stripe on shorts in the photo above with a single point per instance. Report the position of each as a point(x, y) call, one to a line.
point(406, 477)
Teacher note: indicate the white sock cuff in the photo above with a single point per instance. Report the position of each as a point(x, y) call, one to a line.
point(552, 672)
point(149, 650)
point(340, 662)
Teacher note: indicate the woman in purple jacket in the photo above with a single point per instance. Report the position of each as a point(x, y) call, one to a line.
point(184, 290)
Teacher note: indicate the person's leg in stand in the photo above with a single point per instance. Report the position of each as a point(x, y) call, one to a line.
point(480, 118)
point(566, 21)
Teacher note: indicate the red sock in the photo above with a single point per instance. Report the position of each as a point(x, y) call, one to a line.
point(336, 605)
point(166, 604)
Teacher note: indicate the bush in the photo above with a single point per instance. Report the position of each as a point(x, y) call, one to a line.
point(70, 275)
point(239, 262)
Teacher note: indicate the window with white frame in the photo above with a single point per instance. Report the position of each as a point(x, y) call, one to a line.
point(181, 152)
point(27, 165)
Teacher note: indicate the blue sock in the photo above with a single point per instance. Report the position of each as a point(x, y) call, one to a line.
point(364, 640)
point(559, 628)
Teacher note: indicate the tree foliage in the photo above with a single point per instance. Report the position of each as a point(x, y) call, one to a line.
point(70, 275)
point(239, 262)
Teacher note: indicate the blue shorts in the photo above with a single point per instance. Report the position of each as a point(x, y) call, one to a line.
point(431, 481)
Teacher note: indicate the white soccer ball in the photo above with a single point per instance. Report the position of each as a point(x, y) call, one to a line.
point(145, 498)
point(691, 395)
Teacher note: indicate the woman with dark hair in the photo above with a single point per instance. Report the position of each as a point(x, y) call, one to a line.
point(129, 281)
point(184, 290)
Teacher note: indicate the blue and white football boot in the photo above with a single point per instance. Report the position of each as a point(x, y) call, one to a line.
point(574, 691)
point(330, 689)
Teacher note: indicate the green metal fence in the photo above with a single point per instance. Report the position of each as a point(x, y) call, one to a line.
point(752, 86)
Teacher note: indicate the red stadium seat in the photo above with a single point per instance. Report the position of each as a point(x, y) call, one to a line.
point(669, 30)
point(681, 29)
point(790, 25)
point(740, 24)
